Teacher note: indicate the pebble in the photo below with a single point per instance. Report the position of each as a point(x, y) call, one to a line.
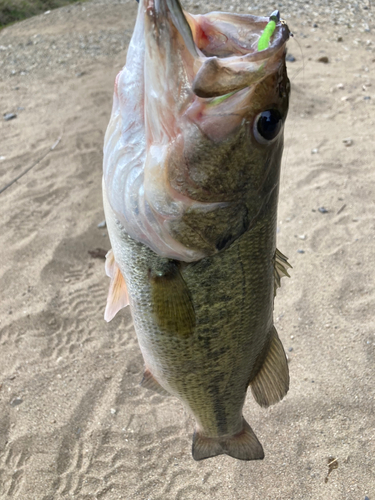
point(290, 58)
point(323, 210)
point(348, 142)
point(323, 59)
point(9, 116)
point(16, 401)
point(314, 151)
point(300, 251)
point(102, 224)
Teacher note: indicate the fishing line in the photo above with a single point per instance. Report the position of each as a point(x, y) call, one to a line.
point(293, 78)
point(31, 166)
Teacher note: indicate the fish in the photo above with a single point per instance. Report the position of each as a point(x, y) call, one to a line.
point(191, 173)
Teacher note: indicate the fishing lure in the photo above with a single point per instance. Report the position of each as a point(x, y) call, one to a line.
point(265, 38)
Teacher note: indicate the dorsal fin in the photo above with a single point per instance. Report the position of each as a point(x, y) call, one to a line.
point(118, 293)
point(280, 268)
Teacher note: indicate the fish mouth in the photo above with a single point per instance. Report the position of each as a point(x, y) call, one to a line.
point(221, 49)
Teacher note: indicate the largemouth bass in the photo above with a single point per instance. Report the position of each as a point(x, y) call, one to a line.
point(192, 160)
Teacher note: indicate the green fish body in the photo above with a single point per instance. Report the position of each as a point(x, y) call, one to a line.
point(200, 270)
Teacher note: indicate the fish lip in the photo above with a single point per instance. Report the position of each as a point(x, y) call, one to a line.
point(159, 10)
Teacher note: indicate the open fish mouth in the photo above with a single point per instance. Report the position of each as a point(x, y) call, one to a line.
point(188, 78)
point(223, 47)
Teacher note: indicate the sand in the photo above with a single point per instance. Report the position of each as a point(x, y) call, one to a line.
point(74, 422)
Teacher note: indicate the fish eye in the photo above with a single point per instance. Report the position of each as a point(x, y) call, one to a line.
point(267, 126)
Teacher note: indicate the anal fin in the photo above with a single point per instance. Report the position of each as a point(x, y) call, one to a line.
point(271, 383)
point(243, 446)
point(118, 293)
point(149, 382)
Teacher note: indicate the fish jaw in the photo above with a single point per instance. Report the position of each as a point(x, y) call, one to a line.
point(165, 108)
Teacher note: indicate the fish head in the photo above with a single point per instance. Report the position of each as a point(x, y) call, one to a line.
point(193, 149)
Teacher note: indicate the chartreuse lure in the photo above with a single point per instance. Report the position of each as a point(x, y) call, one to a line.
point(265, 37)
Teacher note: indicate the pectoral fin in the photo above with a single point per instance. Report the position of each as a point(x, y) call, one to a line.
point(118, 293)
point(271, 383)
point(171, 300)
point(280, 268)
point(243, 446)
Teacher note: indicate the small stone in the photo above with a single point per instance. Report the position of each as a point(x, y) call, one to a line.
point(315, 25)
point(113, 411)
point(290, 58)
point(323, 59)
point(300, 251)
point(9, 116)
point(348, 142)
point(314, 151)
point(102, 224)
point(339, 38)
point(290, 349)
point(323, 210)
point(367, 97)
point(302, 236)
point(340, 86)
point(16, 401)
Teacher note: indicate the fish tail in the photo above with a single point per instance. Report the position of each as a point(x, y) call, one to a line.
point(243, 446)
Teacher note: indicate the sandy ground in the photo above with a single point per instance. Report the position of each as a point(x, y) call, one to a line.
point(74, 422)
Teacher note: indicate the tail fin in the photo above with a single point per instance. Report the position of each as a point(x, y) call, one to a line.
point(244, 445)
